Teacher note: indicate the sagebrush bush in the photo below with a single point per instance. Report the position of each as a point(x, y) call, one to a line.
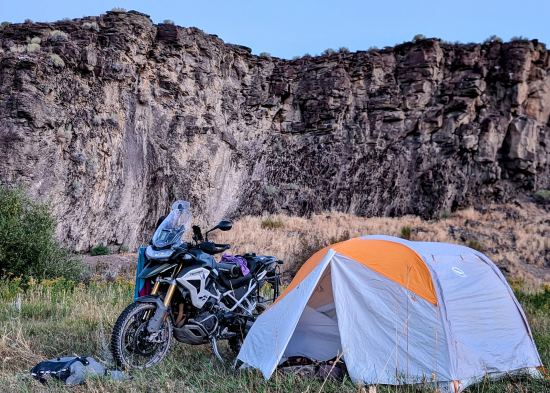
point(58, 36)
point(90, 26)
point(57, 60)
point(28, 247)
point(100, 249)
point(542, 196)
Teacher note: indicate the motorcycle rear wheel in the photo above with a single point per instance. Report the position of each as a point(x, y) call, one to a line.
point(131, 343)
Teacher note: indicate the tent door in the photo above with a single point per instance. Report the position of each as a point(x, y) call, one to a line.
point(316, 336)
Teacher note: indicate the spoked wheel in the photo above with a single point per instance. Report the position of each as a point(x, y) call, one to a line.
point(133, 347)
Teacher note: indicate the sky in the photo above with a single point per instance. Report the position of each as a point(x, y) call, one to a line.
point(288, 28)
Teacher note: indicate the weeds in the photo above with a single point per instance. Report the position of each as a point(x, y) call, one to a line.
point(406, 232)
point(476, 245)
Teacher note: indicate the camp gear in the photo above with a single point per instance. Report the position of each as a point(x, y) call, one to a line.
point(237, 260)
point(398, 312)
point(72, 370)
point(182, 292)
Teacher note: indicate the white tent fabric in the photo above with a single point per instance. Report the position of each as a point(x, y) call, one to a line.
point(386, 334)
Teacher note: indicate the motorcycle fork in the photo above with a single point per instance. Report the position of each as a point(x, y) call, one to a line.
point(169, 293)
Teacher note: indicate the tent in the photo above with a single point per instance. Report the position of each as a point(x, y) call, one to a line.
point(397, 312)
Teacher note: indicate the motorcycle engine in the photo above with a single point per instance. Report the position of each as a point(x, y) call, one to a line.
point(197, 330)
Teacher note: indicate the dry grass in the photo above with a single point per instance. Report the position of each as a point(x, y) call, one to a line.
point(517, 238)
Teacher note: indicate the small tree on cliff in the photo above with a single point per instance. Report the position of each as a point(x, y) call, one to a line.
point(28, 247)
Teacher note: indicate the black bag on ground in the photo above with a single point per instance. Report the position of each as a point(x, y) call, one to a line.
point(59, 368)
point(73, 370)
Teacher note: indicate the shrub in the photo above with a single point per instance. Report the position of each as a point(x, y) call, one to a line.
point(272, 223)
point(100, 249)
point(28, 21)
point(3, 25)
point(476, 245)
point(28, 247)
point(328, 52)
point(343, 49)
point(418, 37)
point(265, 54)
point(32, 47)
point(58, 36)
point(57, 60)
point(406, 232)
point(118, 9)
point(519, 38)
point(542, 196)
point(123, 249)
point(492, 38)
point(168, 22)
point(34, 40)
point(90, 26)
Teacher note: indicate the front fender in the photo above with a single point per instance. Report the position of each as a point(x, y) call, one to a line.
point(156, 320)
point(150, 299)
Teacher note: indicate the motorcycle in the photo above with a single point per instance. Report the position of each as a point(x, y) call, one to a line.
point(192, 298)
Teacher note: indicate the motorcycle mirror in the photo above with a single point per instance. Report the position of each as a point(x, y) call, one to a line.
point(224, 225)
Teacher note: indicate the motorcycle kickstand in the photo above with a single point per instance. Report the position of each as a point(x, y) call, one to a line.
point(214, 345)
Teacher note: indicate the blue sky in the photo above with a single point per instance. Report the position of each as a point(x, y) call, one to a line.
point(287, 28)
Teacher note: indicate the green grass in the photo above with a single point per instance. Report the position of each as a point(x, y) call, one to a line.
point(406, 232)
point(60, 317)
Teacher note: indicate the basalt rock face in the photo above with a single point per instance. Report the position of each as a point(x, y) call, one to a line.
point(112, 117)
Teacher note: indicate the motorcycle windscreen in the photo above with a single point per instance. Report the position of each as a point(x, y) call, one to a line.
point(173, 227)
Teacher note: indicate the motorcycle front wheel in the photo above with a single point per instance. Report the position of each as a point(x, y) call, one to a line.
point(132, 346)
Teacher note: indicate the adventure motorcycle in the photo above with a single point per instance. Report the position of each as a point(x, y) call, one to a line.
point(193, 298)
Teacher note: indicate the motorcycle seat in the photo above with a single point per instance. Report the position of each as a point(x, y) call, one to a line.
point(234, 283)
point(254, 262)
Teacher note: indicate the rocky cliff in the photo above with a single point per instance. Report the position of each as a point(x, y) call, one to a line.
point(112, 117)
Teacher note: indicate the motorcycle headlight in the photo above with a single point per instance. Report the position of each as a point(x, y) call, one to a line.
point(158, 254)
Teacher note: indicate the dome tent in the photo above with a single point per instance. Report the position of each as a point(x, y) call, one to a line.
point(398, 312)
